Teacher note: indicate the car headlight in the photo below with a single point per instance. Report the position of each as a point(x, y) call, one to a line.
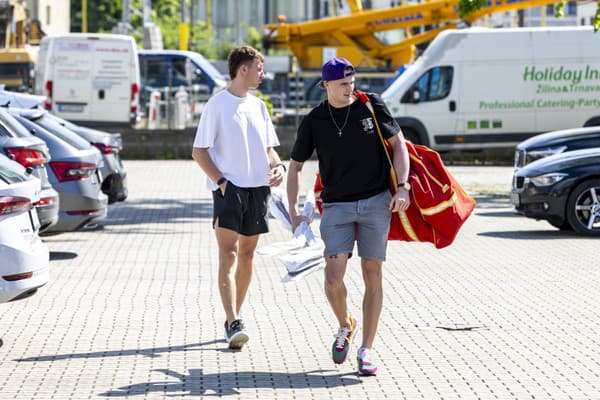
point(547, 179)
point(541, 153)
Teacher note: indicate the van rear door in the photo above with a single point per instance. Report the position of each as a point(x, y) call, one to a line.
point(112, 77)
point(73, 64)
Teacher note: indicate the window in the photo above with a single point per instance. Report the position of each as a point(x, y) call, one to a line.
point(433, 85)
point(179, 72)
point(155, 71)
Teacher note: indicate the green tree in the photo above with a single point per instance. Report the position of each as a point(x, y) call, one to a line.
point(102, 16)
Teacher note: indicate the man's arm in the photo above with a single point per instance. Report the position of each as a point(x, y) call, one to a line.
point(293, 189)
point(201, 156)
point(401, 199)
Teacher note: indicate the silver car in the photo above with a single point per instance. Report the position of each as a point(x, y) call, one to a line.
point(114, 177)
point(32, 153)
point(24, 258)
point(73, 172)
point(113, 173)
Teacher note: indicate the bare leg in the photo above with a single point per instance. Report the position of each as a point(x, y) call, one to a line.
point(335, 289)
point(243, 274)
point(228, 249)
point(372, 300)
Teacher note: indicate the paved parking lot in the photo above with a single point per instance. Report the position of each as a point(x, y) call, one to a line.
point(510, 311)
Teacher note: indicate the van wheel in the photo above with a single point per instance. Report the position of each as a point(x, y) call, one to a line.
point(411, 136)
point(583, 208)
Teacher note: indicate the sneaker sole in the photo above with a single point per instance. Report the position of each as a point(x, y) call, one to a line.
point(367, 373)
point(238, 340)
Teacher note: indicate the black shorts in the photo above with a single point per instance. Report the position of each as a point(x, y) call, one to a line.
point(244, 210)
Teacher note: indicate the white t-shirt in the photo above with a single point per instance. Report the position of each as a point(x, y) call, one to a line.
point(237, 132)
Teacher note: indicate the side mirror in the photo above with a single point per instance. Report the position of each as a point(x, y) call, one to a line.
point(415, 96)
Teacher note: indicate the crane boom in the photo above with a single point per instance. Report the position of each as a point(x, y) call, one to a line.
point(353, 36)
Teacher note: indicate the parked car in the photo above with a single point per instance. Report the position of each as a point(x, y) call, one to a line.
point(113, 173)
point(563, 189)
point(73, 172)
point(32, 153)
point(547, 144)
point(114, 177)
point(24, 258)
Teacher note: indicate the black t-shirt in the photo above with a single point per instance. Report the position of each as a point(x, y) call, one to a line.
point(353, 165)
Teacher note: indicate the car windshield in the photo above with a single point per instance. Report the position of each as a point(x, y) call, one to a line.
point(208, 68)
point(9, 126)
point(60, 131)
point(63, 122)
point(11, 172)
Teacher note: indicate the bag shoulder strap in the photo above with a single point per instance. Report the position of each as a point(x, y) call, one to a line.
point(363, 97)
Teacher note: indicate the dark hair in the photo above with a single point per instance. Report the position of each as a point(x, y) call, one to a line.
point(242, 55)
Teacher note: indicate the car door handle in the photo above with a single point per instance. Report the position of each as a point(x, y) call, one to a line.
point(452, 106)
point(101, 94)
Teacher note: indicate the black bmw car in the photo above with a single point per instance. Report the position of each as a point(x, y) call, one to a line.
point(563, 189)
point(547, 144)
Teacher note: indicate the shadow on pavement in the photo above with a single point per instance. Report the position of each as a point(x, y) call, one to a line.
point(503, 214)
point(152, 352)
point(62, 255)
point(196, 383)
point(533, 235)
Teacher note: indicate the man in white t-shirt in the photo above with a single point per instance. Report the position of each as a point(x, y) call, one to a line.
point(234, 146)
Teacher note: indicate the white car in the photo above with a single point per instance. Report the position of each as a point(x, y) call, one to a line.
point(24, 258)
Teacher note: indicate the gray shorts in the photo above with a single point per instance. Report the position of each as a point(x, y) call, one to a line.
point(366, 221)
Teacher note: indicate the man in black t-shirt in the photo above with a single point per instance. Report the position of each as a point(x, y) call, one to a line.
point(357, 203)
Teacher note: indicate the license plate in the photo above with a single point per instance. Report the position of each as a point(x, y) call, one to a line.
point(515, 199)
point(70, 108)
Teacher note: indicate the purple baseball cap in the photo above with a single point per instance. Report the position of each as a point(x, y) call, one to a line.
point(336, 68)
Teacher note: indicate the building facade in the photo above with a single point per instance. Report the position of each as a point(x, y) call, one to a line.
point(54, 15)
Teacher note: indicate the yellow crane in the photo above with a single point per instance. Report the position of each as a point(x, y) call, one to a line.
point(353, 36)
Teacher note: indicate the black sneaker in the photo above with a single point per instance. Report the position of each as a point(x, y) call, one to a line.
point(236, 335)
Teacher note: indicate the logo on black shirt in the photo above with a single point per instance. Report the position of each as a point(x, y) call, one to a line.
point(367, 125)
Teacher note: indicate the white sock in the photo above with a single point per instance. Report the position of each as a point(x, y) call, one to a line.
point(363, 351)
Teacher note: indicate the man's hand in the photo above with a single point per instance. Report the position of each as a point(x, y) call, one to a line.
point(400, 201)
point(296, 220)
point(223, 187)
point(276, 175)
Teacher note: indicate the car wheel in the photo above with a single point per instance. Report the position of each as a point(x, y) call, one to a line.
point(583, 207)
point(411, 136)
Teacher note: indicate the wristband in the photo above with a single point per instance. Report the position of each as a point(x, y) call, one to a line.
point(281, 165)
point(221, 181)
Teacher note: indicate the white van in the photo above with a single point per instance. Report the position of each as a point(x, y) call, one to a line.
point(476, 88)
point(92, 79)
